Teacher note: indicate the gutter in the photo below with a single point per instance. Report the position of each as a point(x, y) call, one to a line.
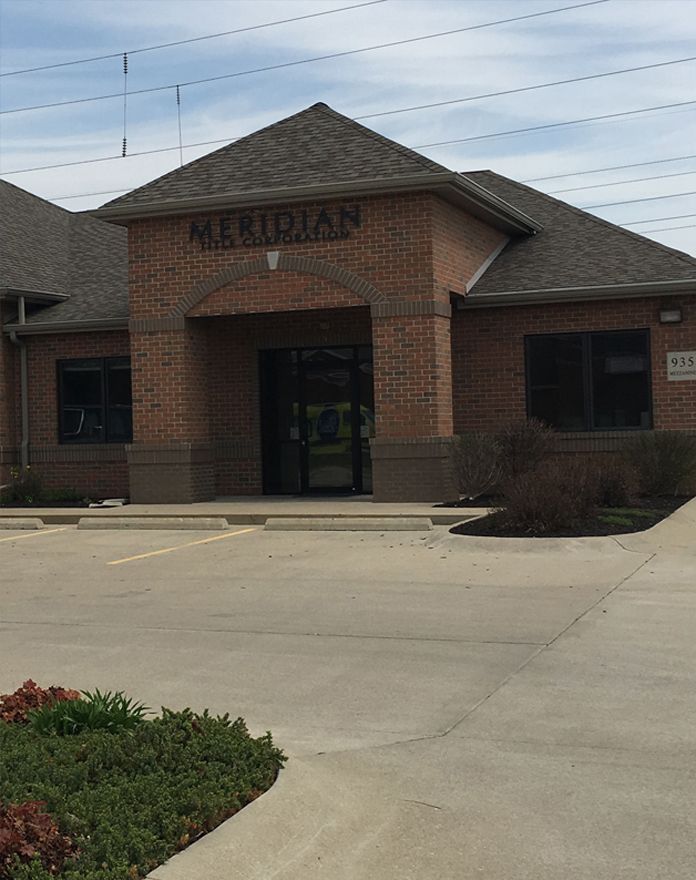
point(39, 327)
point(449, 184)
point(23, 385)
point(33, 296)
point(577, 294)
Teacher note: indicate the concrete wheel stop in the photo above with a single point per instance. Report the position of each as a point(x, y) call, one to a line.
point(198, 523)
point(21, 523)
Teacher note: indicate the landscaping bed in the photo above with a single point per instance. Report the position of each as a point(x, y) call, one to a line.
point(92, 789)
point(604, 521)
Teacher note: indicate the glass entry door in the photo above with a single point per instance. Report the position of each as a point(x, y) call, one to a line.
point(317, 419)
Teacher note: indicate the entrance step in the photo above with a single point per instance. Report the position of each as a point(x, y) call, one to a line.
point(174, 523)
point(348, 524)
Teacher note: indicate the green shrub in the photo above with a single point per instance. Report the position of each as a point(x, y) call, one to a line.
point(664, 461)
point(130, 800)
point(559, 495)
point(477, 464)
point(24, 487)
point(524, 446)
point(93, 711)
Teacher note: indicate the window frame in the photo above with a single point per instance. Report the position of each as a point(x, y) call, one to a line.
point(103, 364)
point(587, 377)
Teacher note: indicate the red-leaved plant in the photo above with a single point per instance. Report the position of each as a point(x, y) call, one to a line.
point(15, 707)
point(28, 833)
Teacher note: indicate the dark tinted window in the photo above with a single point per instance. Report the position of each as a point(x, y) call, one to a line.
point(95, 400)
point(620, 380)
point(556, 381)
point(590, 381)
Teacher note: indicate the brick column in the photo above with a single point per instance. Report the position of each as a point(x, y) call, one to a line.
point(170, 460)
point(411, 453)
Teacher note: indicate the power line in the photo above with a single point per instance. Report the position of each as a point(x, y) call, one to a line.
point(635, 201)
point(670, 228)
point(559, 82)
point(656, 220)
point(606, 116)
point(483, 137)
point(343, 54)
point(620, 182)
point(242, 30)
point(607, 168)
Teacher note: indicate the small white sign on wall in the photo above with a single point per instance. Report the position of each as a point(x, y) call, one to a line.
point(681, 365)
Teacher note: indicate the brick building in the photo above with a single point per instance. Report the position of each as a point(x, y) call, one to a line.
point(317, 308)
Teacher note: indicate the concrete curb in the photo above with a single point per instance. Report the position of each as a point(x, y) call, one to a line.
point(175, 523)
point(309, 811)
point(348, 524)
point(21, 523)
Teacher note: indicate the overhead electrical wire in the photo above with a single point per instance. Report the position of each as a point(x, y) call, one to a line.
point(552, 192)
point(670, 228)
point(604, 117)
point(549, 192)
point(348, 52)
point(495, 134)
point(607, 168)
point(253, 27)
point(635, 201)
point(656, 220)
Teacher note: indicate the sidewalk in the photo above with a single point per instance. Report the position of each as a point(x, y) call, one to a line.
point(252, 510)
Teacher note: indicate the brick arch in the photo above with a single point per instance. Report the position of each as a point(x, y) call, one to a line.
point(287, 262)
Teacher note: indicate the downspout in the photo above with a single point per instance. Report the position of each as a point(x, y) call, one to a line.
point(23, 384)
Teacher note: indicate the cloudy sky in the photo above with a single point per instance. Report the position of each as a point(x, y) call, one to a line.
point(599, 38)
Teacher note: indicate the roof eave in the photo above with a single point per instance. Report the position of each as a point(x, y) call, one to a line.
point(450, 185)
point(577, 294)
point(87, 326)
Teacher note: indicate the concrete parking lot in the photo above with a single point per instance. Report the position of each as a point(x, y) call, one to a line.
point(452, 707)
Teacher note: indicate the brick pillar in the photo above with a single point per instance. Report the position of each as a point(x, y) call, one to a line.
point(411, 453)
point(170, 460)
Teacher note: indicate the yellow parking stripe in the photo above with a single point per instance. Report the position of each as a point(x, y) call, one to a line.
point(35, 534)
point(180, 546)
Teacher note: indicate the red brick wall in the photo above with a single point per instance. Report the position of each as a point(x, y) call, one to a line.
point(99, 469)
point(461, 244)
point(488, 356)
point(392, 250)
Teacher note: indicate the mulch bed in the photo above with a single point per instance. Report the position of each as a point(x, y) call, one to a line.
point(643, 514)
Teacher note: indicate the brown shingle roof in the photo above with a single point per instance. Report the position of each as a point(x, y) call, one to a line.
point(46, 249)
point(574, 248)
point(315, 146)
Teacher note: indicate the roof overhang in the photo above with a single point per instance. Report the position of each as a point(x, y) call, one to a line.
point(577, 294)
point(450, 185)
point(44, 297)
point(44, 327)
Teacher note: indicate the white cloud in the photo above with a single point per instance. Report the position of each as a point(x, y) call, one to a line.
point(620, 33)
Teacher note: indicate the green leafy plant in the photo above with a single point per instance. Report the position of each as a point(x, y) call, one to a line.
point(525, 446)
point(30, 835)
point(477, 464)
point(664, 461)
point(14, 707)
point(131, 799)
point(111, 712)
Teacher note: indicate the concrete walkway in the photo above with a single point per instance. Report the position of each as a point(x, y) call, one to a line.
point(250, 510)
point(453, 707)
